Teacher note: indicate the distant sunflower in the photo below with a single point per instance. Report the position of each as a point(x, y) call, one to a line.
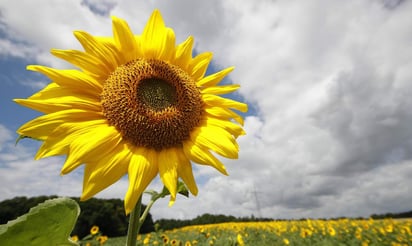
point(94, 230)
point(139, 105)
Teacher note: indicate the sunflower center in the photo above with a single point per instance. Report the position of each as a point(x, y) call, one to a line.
point(152, 103)
point(156, 93)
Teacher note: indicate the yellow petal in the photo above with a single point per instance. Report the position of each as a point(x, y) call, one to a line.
point(184, 170)
point(94, 47)
point(44, 91)
point(184, 53)
point(70, 78)
point(110, 44)
point(54, 92)
point(90, 145)
point(168, 162)
point(217, 139)
point(202, 156)
point(215, 78)
point(108, 41)
point(58, 142)
point(224, 89)
point(199, 64)
point(157, 41)
point(125, 40)
point(41, 127)
point(57, 99)
point(234, 129)
point(224, 113)
point(213, 100)
point(142, 170)
point(168, 51)
point(106, 171)
point(84, 61)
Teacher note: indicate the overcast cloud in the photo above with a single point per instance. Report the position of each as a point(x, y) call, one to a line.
point(329, 81)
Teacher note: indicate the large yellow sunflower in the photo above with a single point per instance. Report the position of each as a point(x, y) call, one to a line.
point(139, 105)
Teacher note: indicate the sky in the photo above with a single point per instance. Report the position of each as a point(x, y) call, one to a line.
point(328, 83)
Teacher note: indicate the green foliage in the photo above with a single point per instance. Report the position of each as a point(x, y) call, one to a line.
point(108, 214)
point(49, 223)
point(392, 215)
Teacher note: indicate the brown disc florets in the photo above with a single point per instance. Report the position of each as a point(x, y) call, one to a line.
point(152, 103)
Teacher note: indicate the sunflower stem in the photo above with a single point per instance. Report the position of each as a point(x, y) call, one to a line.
point(134, 224)
point(146, 211)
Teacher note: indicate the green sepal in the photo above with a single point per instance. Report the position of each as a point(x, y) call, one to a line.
point(20, 137)
point(181, 189)
point(49, 223)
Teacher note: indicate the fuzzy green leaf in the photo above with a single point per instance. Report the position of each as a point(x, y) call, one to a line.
point(49, 223)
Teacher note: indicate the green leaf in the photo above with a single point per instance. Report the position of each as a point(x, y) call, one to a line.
point(49, 223)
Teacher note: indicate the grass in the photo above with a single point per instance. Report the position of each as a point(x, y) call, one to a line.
point(116, 241)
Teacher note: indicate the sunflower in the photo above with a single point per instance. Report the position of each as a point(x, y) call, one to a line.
point(138, 105)
point(94, 230)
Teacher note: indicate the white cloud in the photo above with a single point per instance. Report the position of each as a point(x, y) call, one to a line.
point(330, 80)
point(5, 136)
point(34, 84)
point(23, 176)
point(49, 25)
point(16, 49)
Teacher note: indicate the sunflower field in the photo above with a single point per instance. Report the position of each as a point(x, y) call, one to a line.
point(296, 232)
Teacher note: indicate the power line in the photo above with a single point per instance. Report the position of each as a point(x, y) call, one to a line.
point(255, 194)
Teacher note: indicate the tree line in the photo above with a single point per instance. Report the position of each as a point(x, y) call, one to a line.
point(393, 215)
point(109, 215)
